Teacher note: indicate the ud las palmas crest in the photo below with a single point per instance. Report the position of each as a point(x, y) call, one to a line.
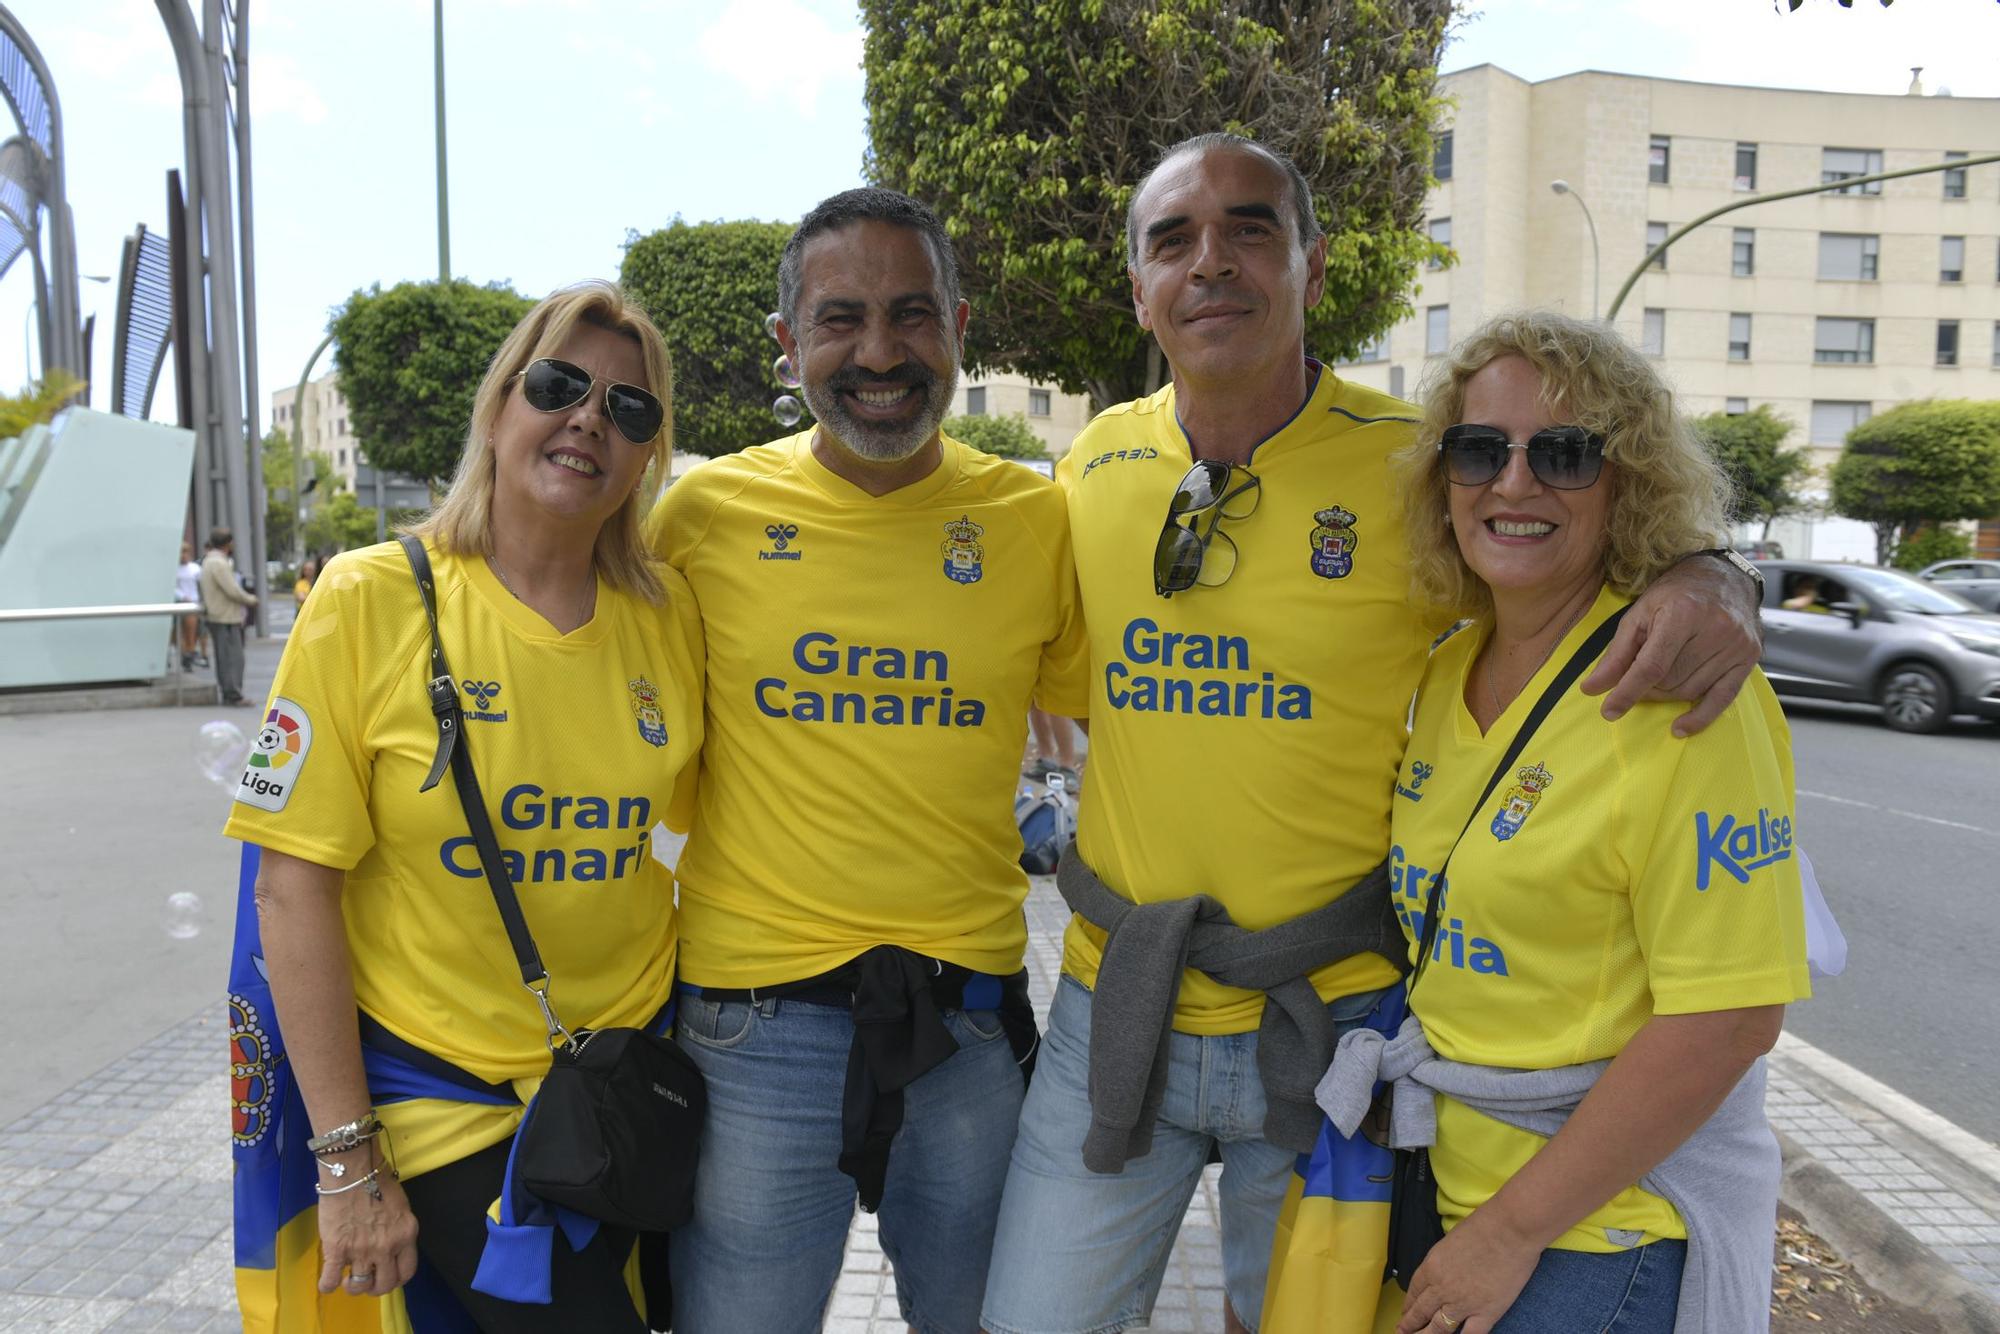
point(1333, 542)
point(962, 551)
point(1518, 803)
point(646, 707)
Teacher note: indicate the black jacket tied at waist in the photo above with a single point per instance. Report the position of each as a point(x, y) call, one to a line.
point(898, 998)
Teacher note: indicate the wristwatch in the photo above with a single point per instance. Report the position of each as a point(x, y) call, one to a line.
point(1731, 556)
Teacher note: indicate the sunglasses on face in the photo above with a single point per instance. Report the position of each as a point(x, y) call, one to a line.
point(1568, 458)
point(1211, 491)
point(552, 385)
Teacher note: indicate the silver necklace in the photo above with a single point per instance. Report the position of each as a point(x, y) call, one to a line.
point(493, 564)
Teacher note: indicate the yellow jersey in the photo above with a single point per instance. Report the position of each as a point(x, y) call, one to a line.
point(1618, 873)
point(871, 663)
point(577, 740)
point(1244, 738)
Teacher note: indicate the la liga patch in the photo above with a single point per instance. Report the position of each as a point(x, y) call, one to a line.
point(276, 757)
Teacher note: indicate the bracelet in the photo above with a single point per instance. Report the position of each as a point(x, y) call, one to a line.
point(343, 1138)
point(370, 1183)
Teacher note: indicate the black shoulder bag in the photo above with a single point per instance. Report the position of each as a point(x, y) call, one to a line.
point(615, 1131)
point(1414, 1224)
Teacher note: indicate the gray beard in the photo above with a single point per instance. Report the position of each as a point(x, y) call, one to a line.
point(882, 442)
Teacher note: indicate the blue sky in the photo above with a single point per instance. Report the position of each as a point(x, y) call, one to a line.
point(573, 120)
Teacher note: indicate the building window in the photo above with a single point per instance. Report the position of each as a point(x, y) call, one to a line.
point(1947, 343)
point(1375, 349)
point(1843, 340)
point(1951, 259)
point(1996, 345)
point(1849, 256)
point(343, 458)
point(1659, 157)
point(1845, 164)
point(1954, 177)
point(1739, 337)
point(1653, 332)
point(1832, 419)
point(975, 401)
point(1440, 233)
point(1656, 235)
point(1746, 166)
point(1743, 251)
point(1736, 407)
point(1437, 331)
point(1038, 402)
point(1441, 159)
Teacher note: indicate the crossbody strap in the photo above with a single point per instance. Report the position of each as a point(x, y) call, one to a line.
point(1589, 651)
point(452, 753)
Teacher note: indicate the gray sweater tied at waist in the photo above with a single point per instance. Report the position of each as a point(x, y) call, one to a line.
point(1146, 949)
point(1723, 1178)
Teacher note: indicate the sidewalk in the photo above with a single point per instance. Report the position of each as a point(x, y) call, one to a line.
point(114, 1196)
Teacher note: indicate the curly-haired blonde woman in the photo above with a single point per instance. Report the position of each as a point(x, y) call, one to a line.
point(1621, 920)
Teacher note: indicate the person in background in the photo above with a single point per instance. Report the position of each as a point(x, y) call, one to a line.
point(1054, 746)
point(224, 604)
point(188, 629)
point(308, 576)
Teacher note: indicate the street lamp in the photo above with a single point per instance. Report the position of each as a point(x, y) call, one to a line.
point(1596, 266)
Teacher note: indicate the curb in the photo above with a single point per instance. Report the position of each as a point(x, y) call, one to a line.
point(1882, 1250)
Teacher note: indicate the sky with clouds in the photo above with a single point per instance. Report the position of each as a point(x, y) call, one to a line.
point(571, 121)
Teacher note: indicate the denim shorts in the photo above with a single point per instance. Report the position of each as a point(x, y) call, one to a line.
point(1082, 1252)
point(1625, 1292)
point(772, 1208)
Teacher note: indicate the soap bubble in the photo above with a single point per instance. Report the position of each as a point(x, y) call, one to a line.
point(771, 325)
point(787, 410)
point(786, 376)
point(220, 751)
point(183, 915)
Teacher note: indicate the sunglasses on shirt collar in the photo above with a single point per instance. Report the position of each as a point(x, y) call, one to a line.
point(549, 384)
point(1568, 458)
point(1211, 492)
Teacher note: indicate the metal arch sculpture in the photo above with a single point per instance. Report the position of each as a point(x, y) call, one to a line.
point(145, 322)
point(30, 94)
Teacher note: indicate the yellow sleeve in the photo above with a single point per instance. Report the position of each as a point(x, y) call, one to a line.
point(686, 613)
point(1062, 685)
point(306, 786)
point(1716, 897)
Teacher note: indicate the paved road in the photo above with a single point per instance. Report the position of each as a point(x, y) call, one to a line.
point(1905, 834)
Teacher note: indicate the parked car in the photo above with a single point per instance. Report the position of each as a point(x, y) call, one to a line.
point(1976, 581)
point(1859, 632)
point(1760, 550)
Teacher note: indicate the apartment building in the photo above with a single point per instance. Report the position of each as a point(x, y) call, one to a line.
point(1829, 307)
point(323, 418)
point(1054, 416)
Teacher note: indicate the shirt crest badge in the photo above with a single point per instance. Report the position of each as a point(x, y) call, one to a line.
point(962, 552)
point(646, 709)
point(1333, 542)
point(1518, 803)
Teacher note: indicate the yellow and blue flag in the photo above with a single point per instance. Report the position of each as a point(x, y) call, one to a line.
point(1329, 1259)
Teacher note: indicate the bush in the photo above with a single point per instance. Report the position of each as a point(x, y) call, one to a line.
point(1010, 437)
point(1931, 546)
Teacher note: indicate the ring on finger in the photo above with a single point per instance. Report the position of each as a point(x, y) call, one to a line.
point(1449, 1323)
point(360, 1278)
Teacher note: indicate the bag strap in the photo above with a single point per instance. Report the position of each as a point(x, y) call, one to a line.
point(1589, 651)
point(452, 752)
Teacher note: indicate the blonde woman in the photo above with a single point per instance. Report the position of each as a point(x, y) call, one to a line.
point(1621, 918)
point(580, 664)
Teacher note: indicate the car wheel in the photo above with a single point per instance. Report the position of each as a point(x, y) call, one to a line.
point(1914, 698)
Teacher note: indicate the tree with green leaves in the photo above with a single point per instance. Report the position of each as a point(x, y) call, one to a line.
point(1027, 127)
point(281, 508)
point(37, 402)
point(1929, 462)
point(410, 360)
point(1009, 436)
point(709, 285)
point(1928, 547)
point(341, 524)
point(1763, 474)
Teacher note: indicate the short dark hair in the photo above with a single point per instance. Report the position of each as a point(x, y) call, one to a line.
point(219, 537)
point(867, 204)
point(1303, 216)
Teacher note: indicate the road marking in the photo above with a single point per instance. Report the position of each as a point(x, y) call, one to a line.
point(1908, 815)
point(1960, 1143)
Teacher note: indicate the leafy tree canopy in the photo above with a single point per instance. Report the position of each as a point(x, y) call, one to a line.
point(342, 524)
point(1010, 436)
point(709, 285)
point(280, 509)
point(1929, 547)
point(37, 402)
point(1027, 127)
point(1934, 461)
point(410, 360)
point(1749, 447)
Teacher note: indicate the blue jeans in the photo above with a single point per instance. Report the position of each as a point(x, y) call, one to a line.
point(772, 1208)
point(1577, 1292)
point(1082, 1252)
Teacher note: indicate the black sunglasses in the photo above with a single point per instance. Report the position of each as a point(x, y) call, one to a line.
point(1568, 458)
point(552, 385)
point(1210, 489)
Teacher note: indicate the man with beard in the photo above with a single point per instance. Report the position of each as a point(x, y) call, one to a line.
point(881, 603)
point(1240, 548)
